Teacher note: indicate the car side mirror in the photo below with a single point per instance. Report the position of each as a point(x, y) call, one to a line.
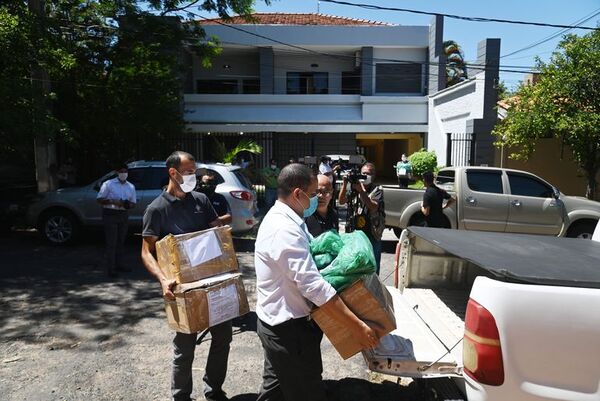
point(555, 193)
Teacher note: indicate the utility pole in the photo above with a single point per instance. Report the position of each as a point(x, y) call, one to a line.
point(44, 146)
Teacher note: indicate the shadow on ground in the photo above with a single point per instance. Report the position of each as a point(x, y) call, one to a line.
point(60, 295)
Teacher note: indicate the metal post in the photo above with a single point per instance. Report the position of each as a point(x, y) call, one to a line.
point(448, 149)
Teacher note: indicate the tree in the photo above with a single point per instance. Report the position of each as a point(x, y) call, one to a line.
point(115, 69)
point(456, 67)
point(423, 161)
point(564, 103)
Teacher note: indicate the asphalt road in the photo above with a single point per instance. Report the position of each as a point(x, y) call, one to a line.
point(68, 332)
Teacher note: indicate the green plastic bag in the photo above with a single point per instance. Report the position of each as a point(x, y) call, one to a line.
point(355, 259)
point(329, 242)
point(323, 260)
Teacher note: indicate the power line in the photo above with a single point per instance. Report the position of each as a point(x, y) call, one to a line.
point(555, 35)
point(481, 67)
point(459, 17)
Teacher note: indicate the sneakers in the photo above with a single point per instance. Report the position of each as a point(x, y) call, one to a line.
point(217, 397)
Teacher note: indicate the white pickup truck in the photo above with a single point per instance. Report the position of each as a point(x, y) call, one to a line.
point(507, 316)
point(499, 200)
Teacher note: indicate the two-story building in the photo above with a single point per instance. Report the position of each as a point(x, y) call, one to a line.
point(312, 84)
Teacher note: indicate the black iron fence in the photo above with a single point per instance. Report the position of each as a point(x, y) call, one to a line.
point(460, 149)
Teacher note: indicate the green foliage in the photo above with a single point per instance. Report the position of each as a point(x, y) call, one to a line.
point(111, 70)
point(456, 67)
point(423, 161)
point(245, 145)
point(564, 103)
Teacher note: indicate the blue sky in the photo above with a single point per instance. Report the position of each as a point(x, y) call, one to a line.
point(468, 34)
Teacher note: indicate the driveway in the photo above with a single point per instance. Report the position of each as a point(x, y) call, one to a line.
point(67, 332)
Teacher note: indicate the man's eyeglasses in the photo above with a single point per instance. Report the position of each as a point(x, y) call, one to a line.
point(324, 193)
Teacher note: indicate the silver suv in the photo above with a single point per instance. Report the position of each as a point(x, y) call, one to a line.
point(60, 215)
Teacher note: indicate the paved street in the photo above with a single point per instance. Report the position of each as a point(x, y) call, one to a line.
point(67, 332)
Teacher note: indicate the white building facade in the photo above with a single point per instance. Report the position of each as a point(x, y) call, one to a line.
point(309, 84)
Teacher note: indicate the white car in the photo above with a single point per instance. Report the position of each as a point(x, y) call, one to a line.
point(60, 215)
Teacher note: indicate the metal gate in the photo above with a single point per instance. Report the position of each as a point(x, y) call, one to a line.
point(460, 149)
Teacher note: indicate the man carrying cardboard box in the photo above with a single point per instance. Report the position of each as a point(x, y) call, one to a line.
point(288, 282)
point(179, 210)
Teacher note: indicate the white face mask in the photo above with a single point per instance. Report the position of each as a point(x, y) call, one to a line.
point(368, 180)
point(189, 182)
point(123, 177)
point(273, 166)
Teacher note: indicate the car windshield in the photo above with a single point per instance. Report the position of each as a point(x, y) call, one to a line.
point(243, 179)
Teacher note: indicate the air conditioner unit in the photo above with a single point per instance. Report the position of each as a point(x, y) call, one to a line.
point(357, 57)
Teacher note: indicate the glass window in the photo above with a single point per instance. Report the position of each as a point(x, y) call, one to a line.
point(351, 83)
point(398, 78)
point(243, 179)
point(528, 186)
point(251, 86)
point(485, 181)
point(218, 178)
point(217, 86)
point(306, 83)
point(157, 178)
point(445, 179)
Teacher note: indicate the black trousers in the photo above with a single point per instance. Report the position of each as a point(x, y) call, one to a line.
point(293, 365)
point(115, 231)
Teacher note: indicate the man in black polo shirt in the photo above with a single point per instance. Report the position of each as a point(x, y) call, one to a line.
point(208, 186)
point(179, 210)
point(433, 203)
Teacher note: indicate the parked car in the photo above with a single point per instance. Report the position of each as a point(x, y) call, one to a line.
point(495, 199)
point(60, 215)
point(505, 316)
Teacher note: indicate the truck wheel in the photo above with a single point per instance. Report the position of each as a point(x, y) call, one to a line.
point(417, 219)
point(582, 229)
point(59, 227)
point(397, 231)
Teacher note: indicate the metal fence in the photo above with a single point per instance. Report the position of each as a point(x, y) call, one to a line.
point(460, 149)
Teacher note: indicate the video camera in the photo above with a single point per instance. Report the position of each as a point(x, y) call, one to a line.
point(354, 175)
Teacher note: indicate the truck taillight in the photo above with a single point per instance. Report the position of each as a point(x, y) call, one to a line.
point(243, 195)
point(482, 353)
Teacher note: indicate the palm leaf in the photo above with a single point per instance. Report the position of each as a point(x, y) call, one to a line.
point(245, 145)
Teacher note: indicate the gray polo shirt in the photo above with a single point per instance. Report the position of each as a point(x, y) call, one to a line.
point(168, 214)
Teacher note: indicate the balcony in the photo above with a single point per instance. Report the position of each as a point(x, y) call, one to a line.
point(305, 113)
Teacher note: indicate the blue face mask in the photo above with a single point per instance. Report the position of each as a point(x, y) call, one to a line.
point(312, 206)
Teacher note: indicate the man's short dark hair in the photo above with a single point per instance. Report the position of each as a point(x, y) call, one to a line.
point(174, 160)
point(369, 165)
point(428, 177)
point(121, 166)
point(294, 176)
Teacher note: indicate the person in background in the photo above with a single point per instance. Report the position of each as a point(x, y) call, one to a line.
point(180, 210)
point(208, 186)
point(116, 196)
point(325, 168)
point(270, 174)
point(326, 217)
point(433, 202)
point(403, 172)
point(288, 285)
point(370, 212)
point(292, 160)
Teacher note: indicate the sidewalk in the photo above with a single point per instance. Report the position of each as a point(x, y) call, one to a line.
point(68, 332)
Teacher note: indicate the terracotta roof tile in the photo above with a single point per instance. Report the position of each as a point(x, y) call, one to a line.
point(294, 19)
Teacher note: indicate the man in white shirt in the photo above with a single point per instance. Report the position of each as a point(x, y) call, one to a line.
point(116, 196)
point(288, 283)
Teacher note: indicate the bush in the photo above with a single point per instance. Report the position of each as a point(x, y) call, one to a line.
point(423, 161)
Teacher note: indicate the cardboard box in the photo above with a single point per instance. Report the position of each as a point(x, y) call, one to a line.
point(369, 300)
point(206, 303)
point(198, 255)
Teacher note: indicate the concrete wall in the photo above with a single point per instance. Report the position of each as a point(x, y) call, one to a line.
point(552, 162)
point(311, 35)
point(451, 109)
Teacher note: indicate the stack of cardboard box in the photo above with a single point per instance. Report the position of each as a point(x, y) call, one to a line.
point(209, 287)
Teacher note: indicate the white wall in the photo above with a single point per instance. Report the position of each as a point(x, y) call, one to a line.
point(449, 111)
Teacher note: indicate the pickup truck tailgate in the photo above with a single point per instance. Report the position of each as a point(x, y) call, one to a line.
point(428, 340)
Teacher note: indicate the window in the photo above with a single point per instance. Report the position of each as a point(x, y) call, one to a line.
point(485, 181)
point(251, 86)
point(528, 186)
point(206, 171)
point(306, 83)
point(445, 179)
point(398, 78)
point(157, 178)
point(243, 179)
point(351, 83)
point(217, 86)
